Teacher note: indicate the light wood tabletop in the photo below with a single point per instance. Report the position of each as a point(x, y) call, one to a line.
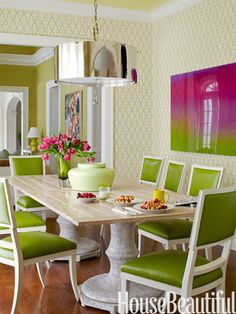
point(46, 190)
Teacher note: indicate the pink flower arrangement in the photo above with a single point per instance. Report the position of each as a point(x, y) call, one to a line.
point(65, 146)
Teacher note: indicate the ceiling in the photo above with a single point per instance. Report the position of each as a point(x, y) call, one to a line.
point(144, 5)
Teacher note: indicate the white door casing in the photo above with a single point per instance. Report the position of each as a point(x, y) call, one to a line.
point(53, 105)
point(23, 94)
point(100, 124)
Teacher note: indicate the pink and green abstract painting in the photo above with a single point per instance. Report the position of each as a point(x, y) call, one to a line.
point(203, 111)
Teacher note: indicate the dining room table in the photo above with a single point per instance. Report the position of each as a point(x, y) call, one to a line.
point(101, 291)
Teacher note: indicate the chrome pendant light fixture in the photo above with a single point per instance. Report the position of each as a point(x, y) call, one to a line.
point(95, 63)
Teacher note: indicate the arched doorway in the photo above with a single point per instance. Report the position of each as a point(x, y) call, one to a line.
point(14, 118)
point(13, 125)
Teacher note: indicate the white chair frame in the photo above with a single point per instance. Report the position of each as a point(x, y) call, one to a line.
point(181, 181)
point(160, 171)
point(169, 244)
point(17, 194)
point(190, 270)
point(18, 263)
point(220, 169)
point(27, 229)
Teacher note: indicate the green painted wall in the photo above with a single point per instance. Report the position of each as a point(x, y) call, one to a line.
point(12, 75)
point(22, 50)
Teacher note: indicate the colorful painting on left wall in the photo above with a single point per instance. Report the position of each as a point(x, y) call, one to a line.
point(73, 114)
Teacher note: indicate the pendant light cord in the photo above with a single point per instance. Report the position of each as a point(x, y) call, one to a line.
point(95, 27)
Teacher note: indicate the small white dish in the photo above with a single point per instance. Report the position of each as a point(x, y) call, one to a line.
point(132, 203)
point(151, 211)
point(87, 200)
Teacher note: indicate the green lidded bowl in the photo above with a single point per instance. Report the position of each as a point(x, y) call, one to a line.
point(88, 177)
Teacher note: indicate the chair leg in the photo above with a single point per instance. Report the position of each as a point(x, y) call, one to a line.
point(19, 269)
point(101, 230)
point(220, 290)
point(139, 244)
point(73, 276)
point(40, 273)
point(208, 253)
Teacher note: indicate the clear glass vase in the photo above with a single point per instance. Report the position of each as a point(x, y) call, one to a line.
point(63, 167)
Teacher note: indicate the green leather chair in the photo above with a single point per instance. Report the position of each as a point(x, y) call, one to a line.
point(26, 221)
point(26, 248)
point(171, 232)
point(188, 274)
point(151, 170)
point(23, 166)
point(174, 176)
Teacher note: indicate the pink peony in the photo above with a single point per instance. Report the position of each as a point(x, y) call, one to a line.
point(75, 141)
point(43, 147)
point(86, 146)
point(53, 140)
point(90, 159)
point(47, 140)
point(64, 137)
point(45, 157)
point(59, 144)
point(71, 151)
point(67, 157)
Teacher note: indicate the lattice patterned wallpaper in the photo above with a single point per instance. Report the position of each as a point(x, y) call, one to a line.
point(133, 105)
point(199, 37)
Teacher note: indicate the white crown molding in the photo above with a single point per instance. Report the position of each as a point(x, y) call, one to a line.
point(74, 8)
point(170, 8)
point(32, 40)
point(40, 56)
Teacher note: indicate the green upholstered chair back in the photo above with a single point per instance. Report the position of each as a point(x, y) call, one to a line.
point(174, 176)
point(26, 165)
point(218, 220)
point(151, 169)
point(214, 223)
point(4, 214)
point(203, 178)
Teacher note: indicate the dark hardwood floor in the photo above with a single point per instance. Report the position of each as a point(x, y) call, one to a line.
point(57, 297)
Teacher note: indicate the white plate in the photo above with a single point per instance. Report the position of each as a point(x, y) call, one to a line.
point(87, 200)
point(149, 211)
point(132, 203)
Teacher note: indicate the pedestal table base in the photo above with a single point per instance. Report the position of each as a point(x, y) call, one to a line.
point(101, 291)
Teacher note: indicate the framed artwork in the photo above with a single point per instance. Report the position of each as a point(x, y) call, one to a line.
point(203, 111)
point(73, 114)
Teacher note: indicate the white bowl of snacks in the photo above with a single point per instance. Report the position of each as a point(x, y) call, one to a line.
point(124, 200)
point(86, 197)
